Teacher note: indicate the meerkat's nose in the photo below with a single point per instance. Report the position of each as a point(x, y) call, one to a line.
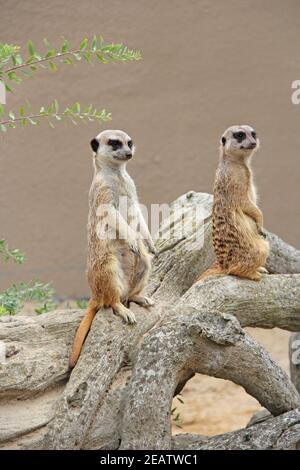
point(253, 145)
point(128, 154)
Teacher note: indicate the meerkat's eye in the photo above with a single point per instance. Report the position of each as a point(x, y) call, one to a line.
point(115, 144)
point(239, 136)
point(253, 134)
point(130, 144)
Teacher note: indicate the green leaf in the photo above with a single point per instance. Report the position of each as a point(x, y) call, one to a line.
point(30, 49)
point(16, 59)
point(50, 53)
point(2, 127)
point(76, 108)
point(82, 304)
point(2, 109)
point(51, 108)
point(46, 42)
point(88, 109)
point(87, 56)
point(22, 111)
point(94, 43)
point(7, 88)
point(12, 75)
point(11, 115)
point(83, 44)
point(68, 61)
point(46, 307)
point(56, 106)
point(65, 46)
point(52, 66)
point(101, 58)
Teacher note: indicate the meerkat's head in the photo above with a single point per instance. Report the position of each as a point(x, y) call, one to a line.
point(239, 141)
point(112, 147)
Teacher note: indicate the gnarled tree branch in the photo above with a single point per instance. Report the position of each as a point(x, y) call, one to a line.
point(120, 392)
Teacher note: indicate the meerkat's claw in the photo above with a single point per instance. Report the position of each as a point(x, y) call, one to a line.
point(143, 301)
point(133, 246)
point(262, 233)
point(255, 276)
point(151, 248)
point(130, 317)
point(124, 312)
point(263, 270)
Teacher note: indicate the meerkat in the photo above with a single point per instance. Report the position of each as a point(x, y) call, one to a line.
point(238, 238)
point(119, 242)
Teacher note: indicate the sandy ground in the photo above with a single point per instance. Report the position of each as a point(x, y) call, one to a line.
point(214, 406)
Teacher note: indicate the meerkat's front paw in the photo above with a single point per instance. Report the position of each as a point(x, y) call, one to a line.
point(134, 246)
point(261, 232)
point(151, 247)
point(142, 300)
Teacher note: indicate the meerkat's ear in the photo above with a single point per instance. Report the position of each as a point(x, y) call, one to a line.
point(223, 140)
point(95, 145)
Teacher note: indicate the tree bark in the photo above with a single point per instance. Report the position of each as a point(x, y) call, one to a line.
point(281, 433)
point(294, 355)
point(119, 394)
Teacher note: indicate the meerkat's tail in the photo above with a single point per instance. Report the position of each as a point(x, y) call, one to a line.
point(91, 310)
point(213, 270)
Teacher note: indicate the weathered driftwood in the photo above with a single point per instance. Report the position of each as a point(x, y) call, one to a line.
point(282, 432)
point(294, 354)
point(120, 392)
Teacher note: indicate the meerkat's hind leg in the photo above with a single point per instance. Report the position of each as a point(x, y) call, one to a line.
point(214, 270)
point(142, 300)
point(124, 312)
point(141, 278)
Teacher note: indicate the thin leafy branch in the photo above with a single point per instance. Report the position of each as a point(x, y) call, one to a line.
point(11, 254)
point(7, 51)
point(74, 113)
point(12, 299)
point(13, 67)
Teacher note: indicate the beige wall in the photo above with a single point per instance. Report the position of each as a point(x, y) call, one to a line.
point(207, 65)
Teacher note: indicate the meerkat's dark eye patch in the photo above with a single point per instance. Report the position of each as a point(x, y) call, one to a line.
point(95, 145)
point(239, 136)
point(130, 144)
point(223, 140)
point(115, 144)
point(253, 134)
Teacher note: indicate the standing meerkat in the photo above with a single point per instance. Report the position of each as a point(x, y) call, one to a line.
point(238, 239)
point(118, 264)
